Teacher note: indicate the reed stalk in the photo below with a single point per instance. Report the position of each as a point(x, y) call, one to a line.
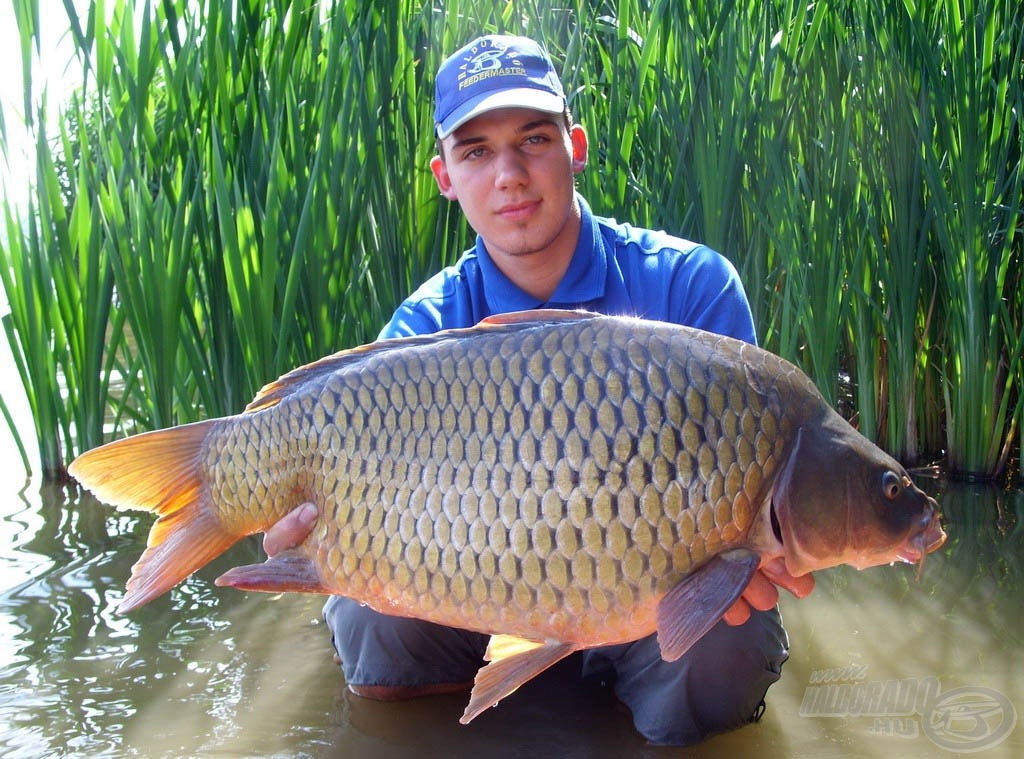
point(972, 165)
point(894, 307)
point(805, 193)
point(29, 332)
point(239, 188)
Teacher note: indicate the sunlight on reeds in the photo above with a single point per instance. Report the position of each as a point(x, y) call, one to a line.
point(237, 189)
point(973, 170)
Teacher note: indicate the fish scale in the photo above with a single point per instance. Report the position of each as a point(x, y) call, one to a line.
point(532, 484)
point(569, 479)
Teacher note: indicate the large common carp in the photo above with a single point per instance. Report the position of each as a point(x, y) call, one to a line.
point(569, 479)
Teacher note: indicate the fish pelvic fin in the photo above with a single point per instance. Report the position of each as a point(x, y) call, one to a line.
point(695, 605)
point(513, 661)
point(159, 472)
point(284, 573)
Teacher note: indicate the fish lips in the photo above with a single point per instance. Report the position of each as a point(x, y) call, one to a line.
point(927, 537)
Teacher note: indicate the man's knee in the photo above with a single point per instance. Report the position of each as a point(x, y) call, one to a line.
point(718, 685)
point(380, 650)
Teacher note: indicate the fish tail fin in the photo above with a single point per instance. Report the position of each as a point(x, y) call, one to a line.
point(159, 472)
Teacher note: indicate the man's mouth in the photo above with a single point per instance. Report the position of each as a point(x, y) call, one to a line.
point(518, 211)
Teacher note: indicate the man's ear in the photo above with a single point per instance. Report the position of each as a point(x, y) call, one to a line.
point(444, 182)
point(580, 147)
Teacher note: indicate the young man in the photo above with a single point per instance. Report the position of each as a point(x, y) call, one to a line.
point(508, 153)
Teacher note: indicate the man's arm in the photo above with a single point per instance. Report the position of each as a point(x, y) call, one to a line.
point(417, 315)
point(761, 593)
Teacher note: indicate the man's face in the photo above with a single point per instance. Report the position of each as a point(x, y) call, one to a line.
point(511, 170)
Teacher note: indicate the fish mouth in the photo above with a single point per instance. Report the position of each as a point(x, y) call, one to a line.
point(929, 537)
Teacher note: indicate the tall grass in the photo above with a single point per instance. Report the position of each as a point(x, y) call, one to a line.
point(894, 296)
point(809, 195)
point(239, 188)
point(974, 177)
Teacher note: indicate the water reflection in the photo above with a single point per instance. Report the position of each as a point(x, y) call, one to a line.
point(207, 671)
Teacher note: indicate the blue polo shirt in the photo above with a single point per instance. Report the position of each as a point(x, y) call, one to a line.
point(617, 269)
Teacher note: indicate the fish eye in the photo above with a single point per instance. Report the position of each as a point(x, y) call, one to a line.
point(892, 485)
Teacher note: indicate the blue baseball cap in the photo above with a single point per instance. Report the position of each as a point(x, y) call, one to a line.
point(494, 71)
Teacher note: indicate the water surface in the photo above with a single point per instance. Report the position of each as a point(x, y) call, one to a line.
point(205, 671)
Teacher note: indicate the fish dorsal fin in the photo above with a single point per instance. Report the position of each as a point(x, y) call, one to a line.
point(513, 661)
point(274, 392)
point(291, 382)
point(537, 315)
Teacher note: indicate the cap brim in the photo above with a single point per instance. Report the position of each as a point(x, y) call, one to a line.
point(524, 97)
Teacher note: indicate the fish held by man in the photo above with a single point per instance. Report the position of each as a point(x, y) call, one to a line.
point(559, 480)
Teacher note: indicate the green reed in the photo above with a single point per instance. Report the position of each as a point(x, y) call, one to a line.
point(895, 297)
point(239, 188)
point(973, 171)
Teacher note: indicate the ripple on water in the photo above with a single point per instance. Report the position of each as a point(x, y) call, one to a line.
point(205, 670)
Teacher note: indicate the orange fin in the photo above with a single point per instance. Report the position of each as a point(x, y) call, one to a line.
point(180, 544)
point(505, 646)
point(696, 604)
point(503, 675)
point(154, 471)
point(159, 472)
point(280, 574)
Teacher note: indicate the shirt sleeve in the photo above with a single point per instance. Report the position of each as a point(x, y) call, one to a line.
point(706, 292)
point(412, 317)
point(451, 298)
point(676, 280)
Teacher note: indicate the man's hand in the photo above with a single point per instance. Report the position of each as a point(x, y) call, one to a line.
point(291, 530)
point(761, 593)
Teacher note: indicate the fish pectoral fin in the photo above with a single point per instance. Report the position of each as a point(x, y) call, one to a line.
point(693, 606)
point(503, 675)
point(284, 573)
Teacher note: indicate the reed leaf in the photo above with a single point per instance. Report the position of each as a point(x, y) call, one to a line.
point(892, 301)
point(239, 188)
point(973, 171)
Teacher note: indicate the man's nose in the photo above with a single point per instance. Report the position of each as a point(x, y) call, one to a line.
point(510, 170)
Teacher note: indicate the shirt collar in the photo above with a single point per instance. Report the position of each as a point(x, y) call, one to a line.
point(583, 281)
